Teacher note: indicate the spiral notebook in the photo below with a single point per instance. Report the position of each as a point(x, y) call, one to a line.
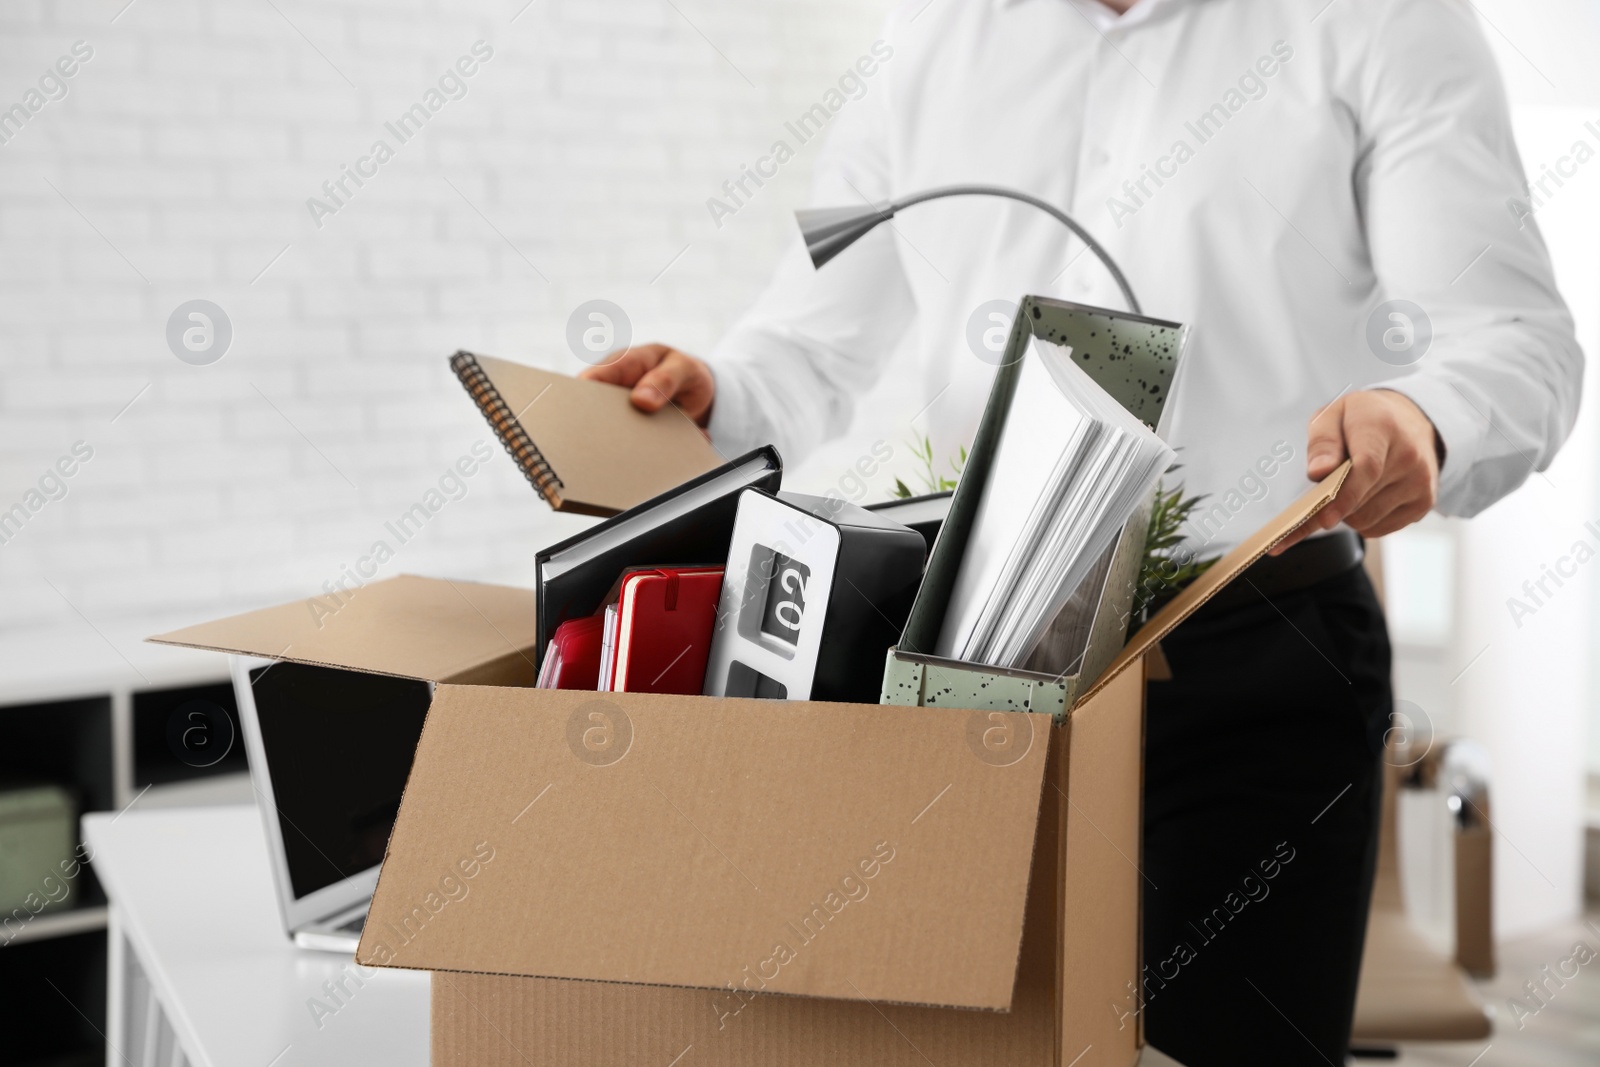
point(582, 444)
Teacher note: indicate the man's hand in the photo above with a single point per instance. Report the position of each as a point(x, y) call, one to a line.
point(660, 375)
point(1394, 471)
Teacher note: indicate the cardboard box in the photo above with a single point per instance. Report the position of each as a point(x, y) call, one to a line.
point(623, 879)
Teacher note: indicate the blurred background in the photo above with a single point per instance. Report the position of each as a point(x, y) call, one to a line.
point(576, 163)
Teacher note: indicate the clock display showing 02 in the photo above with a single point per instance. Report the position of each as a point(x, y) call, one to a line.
point(786, 599)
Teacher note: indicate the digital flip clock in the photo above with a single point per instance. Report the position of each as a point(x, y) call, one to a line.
point(815, 591)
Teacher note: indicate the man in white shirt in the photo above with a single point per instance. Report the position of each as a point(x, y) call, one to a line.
point(1325, 191)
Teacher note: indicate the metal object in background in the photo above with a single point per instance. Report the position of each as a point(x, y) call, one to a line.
point(1459, 771)
point(830, 230)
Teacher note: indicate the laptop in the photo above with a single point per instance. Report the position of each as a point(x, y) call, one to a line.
point(329, 752)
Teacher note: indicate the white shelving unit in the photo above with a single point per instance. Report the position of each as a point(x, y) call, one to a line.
point(84, 706)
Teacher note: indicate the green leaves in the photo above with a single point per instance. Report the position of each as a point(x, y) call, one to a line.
point(1167, 566)
point(932, 480)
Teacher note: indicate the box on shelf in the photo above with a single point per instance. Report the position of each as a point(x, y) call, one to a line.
point(618, 878)
point(38, 843)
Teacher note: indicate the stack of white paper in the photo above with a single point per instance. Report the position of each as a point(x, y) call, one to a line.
point(1072, 467)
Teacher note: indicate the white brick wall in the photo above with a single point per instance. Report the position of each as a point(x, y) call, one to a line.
point(181, 159)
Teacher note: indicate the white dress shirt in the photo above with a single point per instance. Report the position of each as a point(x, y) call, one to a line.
point(1269, 172)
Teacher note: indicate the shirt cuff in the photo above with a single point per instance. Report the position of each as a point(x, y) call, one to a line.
point(1459, 426)
point(735, 425)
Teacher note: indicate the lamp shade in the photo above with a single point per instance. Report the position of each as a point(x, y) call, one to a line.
point(830, 230)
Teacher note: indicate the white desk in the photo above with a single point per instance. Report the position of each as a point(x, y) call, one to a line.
point(201, 972)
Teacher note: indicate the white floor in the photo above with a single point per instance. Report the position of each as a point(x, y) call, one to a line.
point(1565, 1033)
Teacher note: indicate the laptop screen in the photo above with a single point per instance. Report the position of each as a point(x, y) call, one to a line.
point(339, 746)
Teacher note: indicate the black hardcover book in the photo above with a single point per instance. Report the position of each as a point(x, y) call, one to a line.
point(690, 525)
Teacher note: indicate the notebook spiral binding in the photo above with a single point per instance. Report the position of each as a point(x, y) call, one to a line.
point(516, 440)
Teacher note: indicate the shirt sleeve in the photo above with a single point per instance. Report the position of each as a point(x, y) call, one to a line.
point(1441, 188)
point(790, 371)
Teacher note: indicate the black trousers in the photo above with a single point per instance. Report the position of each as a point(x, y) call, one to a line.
point(1262, 792)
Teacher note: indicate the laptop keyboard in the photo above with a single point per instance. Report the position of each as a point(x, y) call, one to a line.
point(353, 926)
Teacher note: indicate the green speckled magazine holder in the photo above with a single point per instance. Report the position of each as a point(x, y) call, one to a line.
point(1134, 359)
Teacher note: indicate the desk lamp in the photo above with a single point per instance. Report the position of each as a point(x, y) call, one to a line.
point(830, 230)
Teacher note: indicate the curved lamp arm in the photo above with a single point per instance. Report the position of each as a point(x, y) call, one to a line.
point(829, 231)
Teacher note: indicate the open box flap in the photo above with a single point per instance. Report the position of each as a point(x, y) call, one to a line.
point(821, 849)
point(1221, 573)
point(429, 628)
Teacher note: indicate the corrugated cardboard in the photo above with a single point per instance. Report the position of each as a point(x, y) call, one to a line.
point(485, 1019)
point(871, 843)
point(429, 628)
point(620, 879)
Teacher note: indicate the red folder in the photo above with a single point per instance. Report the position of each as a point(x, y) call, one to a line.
point(573, 659)
point(664, 618)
